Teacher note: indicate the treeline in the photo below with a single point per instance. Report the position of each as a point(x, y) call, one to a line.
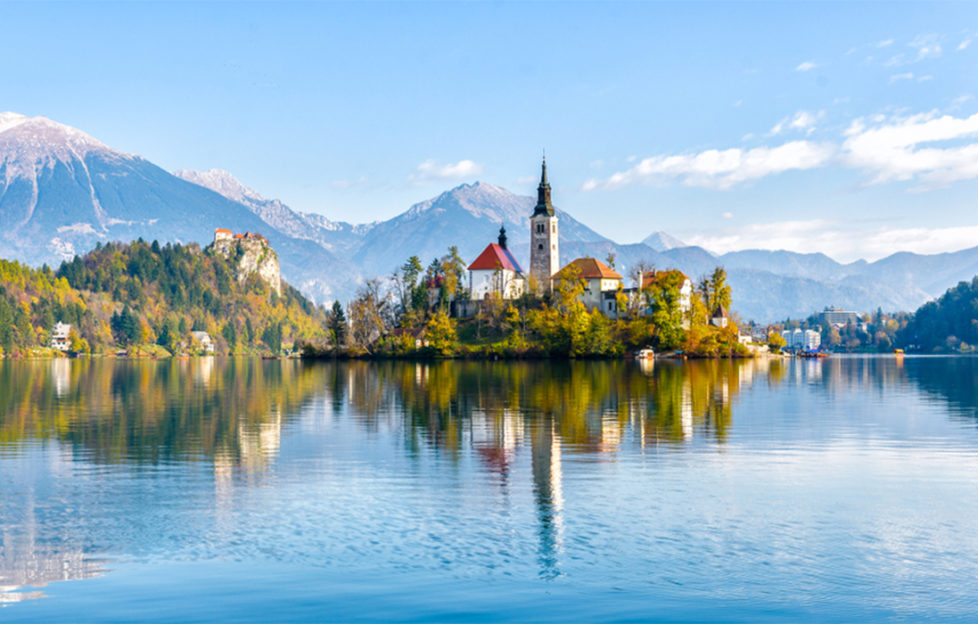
point(137, 295)
point(949, 324)
point(417, 314)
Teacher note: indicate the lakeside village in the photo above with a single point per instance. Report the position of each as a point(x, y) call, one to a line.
point(144, 299)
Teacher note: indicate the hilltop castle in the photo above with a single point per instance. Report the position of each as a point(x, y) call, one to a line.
point(253, 254)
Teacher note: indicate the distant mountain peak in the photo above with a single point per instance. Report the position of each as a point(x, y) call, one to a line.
point(661, 241)
point(222, 183)
point(39, 138)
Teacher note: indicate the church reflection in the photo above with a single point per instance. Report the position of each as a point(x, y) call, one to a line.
point(547, 413)
point(528, 426)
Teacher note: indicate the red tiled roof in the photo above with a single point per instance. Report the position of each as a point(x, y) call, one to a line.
point(223, 230)
point(654, 277)
point(495, 257)
point(590, 268)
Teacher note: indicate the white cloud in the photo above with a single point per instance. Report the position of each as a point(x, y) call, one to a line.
point(727, 215)
point(719, 169)
point(899, 77)
point(836, 240)
point(806, 66)
point(901, 149)
point(802, 120)
point(431, 171)
point(345, 184)
point(925, 78)
point(884, 43)
point(927, 46)
point(964, 44)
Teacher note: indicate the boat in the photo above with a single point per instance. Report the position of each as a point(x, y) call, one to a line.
point(645, 354)
point(898, 353)
point(813, 353)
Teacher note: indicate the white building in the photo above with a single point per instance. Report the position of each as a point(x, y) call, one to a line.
point(204, 340)
point(654, 278)
point(601, 283)
point(59, 336)
point(496, 271)
point(801, 340)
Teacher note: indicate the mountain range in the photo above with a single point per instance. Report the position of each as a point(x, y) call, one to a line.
point(62, 191)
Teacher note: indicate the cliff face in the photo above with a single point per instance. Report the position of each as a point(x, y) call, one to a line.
point(253, 255)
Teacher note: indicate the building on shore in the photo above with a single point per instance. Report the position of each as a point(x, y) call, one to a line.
point(60, 336)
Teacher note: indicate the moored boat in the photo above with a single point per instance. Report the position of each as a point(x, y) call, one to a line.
point(645, 354)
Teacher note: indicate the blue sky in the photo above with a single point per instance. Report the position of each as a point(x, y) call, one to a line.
point(844, 128)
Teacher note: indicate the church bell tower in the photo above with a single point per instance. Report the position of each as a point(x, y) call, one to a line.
point(544, 251)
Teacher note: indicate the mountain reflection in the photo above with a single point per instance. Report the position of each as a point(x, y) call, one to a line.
point(521, 424)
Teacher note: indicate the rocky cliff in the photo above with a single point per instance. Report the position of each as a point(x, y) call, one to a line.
point(252, 254)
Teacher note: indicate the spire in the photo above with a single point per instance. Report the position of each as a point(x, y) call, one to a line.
point(502, 236)
point(544, 207)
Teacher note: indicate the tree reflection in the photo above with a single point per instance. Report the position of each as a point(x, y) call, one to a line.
point(148, 412)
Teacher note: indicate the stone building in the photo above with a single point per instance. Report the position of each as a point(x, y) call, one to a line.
point(544, 246)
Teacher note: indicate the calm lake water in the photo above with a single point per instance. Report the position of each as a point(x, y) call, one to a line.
point(844, 489)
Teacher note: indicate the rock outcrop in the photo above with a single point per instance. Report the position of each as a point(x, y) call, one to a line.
point(252, 254)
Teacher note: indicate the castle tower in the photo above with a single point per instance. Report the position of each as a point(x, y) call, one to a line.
point(544, 251)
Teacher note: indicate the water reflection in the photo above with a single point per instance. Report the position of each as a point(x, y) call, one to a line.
point(67, 428)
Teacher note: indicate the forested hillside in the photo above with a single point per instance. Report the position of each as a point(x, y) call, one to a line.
point(124, 295)
point(948, 324)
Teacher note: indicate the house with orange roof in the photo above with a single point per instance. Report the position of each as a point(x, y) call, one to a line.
point(601, 283)
point(496, 271)
point(654, 278)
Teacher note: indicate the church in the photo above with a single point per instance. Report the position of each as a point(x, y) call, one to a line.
point(496, 270)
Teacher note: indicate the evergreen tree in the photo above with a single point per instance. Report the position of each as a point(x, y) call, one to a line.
point(337, 325)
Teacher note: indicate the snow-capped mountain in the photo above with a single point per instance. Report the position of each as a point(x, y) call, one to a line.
point(468, 216)
point(62, 191)
point(661, 241)
point(333, 235)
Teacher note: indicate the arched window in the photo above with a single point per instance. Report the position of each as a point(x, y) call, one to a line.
point(540, 246)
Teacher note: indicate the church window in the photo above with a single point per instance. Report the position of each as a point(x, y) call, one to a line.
point(540, 246)
point(554, 228)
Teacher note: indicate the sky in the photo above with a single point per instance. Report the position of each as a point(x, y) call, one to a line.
point(847, 129)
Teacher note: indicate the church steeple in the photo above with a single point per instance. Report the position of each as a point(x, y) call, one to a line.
point(544, 207)
point(502, 236)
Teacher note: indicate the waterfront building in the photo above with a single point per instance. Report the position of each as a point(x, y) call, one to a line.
point(59, 336)
point(204, 340)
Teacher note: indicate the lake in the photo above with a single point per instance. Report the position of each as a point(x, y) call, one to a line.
point(840, 489)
